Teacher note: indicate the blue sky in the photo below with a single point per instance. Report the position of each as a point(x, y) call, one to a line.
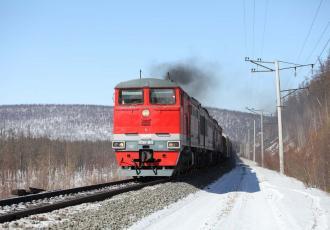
point(75, 52)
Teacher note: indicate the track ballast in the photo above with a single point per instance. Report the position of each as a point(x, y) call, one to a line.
point(35, 204)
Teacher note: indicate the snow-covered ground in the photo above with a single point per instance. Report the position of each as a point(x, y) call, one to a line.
point(248, 197)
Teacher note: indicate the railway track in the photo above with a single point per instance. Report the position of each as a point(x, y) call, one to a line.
point(19, 207)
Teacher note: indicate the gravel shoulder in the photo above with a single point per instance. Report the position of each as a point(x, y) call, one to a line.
point(121, 211)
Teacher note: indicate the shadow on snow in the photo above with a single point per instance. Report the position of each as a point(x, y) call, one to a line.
point(241, 178)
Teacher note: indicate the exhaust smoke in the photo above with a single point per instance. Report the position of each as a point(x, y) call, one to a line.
point(195, 78)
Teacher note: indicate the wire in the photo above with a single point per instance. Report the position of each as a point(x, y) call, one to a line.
point(290, 63)
point(264, 30)
point(325, 46)
point(310, 30)
point(318, 41)
point(244, 23)
point(253, 22)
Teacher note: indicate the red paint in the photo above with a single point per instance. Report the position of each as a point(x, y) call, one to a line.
point(162, 118)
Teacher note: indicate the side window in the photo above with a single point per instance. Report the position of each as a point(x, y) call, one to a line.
point(130, 96)
point(206, 127)
point(162, 96)
point(202, 125)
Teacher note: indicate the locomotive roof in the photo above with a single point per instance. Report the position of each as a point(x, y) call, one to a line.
point(194, 101)
point(147, 82)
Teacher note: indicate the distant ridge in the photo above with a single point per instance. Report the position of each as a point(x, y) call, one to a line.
point(69, 122)
point(90, 122)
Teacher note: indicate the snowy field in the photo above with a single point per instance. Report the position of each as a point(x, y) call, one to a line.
point(249, 197)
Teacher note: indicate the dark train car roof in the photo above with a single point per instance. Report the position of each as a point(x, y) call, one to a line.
point(195, 101)
point(147, 82)
point(206, 111)
point(216, 122)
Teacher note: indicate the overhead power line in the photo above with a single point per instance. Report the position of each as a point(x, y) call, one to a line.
point(244, 24)
point(253, 22)
point(264, 30)
point(309, 30)
point(290, 63)
point(318, 41)
point(277, 69)
point(325, 46)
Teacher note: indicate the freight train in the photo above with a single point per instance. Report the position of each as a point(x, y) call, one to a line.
point(159, 130)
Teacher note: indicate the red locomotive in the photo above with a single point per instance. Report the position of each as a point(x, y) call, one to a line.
point(159, 130)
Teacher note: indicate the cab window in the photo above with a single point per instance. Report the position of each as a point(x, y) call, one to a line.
point(162, 96)
point(130, 96)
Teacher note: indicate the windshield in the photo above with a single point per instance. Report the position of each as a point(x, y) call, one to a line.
point(162, 96)
point(130, 96)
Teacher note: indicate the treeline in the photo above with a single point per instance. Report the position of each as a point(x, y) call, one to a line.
point(67, 122)
point(27, 161)
point(306, 124)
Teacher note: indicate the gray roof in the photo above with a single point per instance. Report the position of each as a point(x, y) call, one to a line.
point(147, 82)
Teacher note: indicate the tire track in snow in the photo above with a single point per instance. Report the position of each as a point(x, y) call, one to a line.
point(232, 198)
point(320, 220)
point(319, 215)
point(283, 220)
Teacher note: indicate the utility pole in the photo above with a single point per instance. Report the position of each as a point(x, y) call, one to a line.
point(261, 112)
point(248, 146)
point(140, 73)
point(262, 138)
point(254, 140)
point(278, 95)
point(245, 148)
point(279, 116)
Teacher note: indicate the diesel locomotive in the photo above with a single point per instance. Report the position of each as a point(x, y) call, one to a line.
point(159, 130)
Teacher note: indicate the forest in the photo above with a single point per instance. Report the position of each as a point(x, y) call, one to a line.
point(40, 162)
point(306, 130)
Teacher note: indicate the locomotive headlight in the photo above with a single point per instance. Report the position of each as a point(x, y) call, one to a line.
point(118, 144)
point(145, 112)
point(173, 144)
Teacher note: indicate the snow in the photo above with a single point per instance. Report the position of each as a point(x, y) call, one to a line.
point(46, 220)
point(248, 197)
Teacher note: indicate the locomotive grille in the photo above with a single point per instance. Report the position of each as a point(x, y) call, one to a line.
point(145, 122)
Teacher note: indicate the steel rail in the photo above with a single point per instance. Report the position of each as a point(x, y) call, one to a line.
point(43, 195)
point(98, 196)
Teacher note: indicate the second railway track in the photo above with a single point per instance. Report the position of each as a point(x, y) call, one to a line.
point(19, 207)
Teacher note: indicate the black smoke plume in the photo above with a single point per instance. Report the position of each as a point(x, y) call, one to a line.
point(195, 78)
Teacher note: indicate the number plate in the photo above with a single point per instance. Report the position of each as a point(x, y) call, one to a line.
point(146, 142)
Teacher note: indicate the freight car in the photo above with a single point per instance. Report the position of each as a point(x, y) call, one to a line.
point(159, 130)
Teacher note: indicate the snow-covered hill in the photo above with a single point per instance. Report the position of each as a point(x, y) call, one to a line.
point(70, 122)
point(92, 122)
point(234, 123)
